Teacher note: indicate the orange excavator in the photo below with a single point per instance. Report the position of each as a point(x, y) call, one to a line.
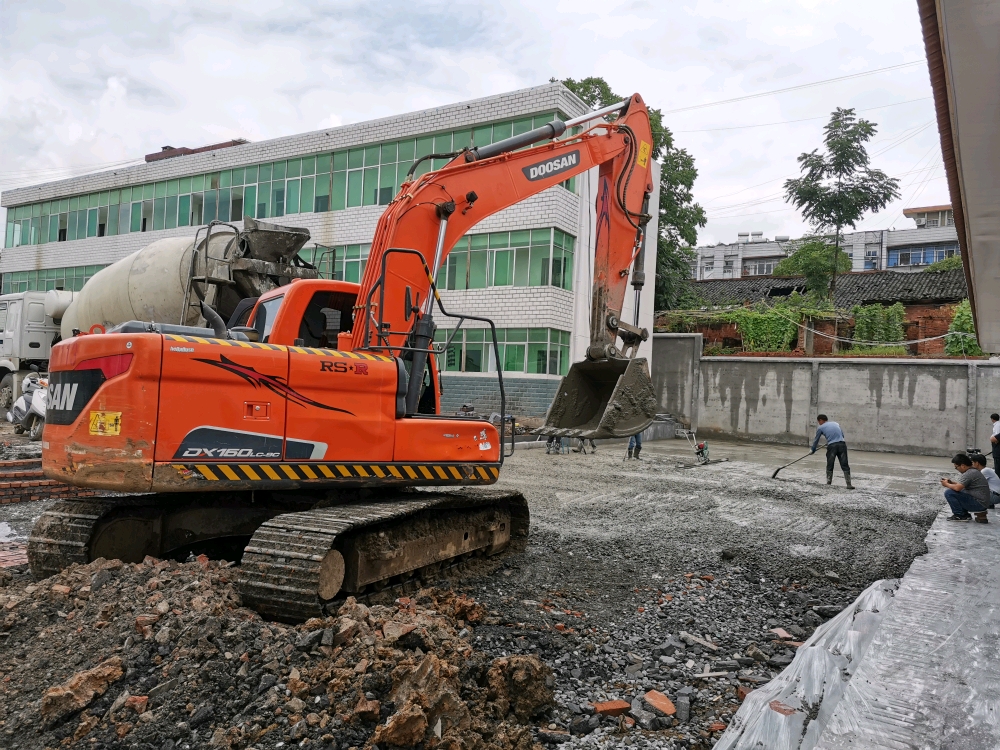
point(302, 438)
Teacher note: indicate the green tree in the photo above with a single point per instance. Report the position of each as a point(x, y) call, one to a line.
point(961, 341)
point(838, 186)
point(813, 259)
point(679, 216)
point(952, 263)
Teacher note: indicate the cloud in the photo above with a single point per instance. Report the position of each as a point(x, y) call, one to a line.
point(89, 83)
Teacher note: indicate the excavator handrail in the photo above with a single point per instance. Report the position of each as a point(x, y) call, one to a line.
point(432, 350)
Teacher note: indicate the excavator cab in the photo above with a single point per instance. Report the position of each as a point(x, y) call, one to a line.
point(609, 398)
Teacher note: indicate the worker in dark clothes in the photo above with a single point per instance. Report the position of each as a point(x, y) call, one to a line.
point(970, 492)
point(836, 447)
point(995, 440)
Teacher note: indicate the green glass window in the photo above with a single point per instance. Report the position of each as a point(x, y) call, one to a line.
point(354, 186)
point(250, 201)
point(425, 146)
point(211, 206)
point(521, 126)
point(483, 135)
point(520, 239)
point(183, 185)
point(502, 130)
point(309, 166)
point(502, 268)
point(389, 151)
point(499, 239)
point(159, 190)
point(478, 264)
point(323, 200)
point(355, 158)
point(278, 170)
point(278, 198)
point(54, 228)
point(406, 152)
point(170, 220)
point(184, 211)
point(442, 143)
point(225, 179)
point(521, 266)
point(224, 199)
point(103, 200)
point(147, 191)
point(264, 200)
point(337, 200)
point(74, 204)
point(236, 204)
point(92, 200)
point(386, 184)
point(147, 215)
point(461, 139)
point(238, 176)
point(370, 187)
point(308, 194)
point(124, 220)
point(339, 162)
point(64, 205)
point(172, 186)
point(458, 269)
point(371, 156)
point(159, 213)
point(292, 196)
point(197, 208)
point(135, 223)
point(91, 223)
point(538, 274)
point(250, 175)
point(264, 173)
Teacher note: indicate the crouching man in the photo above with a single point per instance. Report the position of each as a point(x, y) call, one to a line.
point(968, 495)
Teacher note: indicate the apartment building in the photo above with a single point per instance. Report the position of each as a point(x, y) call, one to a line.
point(933, 238)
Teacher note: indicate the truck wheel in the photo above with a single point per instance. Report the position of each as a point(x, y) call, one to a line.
point(6, 391)
point(36, 429)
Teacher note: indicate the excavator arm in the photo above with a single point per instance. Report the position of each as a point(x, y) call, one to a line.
point(432, 212)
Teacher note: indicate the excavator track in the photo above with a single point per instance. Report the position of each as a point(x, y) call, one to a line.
point(293, 557)
point(296, 562)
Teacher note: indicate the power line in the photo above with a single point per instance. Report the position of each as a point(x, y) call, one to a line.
point(804, 119)
point(794, 88)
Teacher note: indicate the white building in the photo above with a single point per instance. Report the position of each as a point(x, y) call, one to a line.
point(529, 267)
point(934, 238)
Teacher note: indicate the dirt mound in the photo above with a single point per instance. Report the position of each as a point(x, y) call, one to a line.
point(161, 655)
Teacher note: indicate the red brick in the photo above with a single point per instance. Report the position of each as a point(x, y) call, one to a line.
point(660, 702)
point(612, 708)
point(742, 692)
point(717, 726)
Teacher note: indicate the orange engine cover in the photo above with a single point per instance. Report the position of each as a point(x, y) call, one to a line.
point(100, 426)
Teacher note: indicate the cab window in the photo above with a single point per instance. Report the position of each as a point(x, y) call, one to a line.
point(267, 311)
point(3, 315)
point(327, 315)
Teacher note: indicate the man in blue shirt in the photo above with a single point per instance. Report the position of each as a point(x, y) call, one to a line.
point(836, 447)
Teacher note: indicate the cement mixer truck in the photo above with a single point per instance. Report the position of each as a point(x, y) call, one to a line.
point(164, 282)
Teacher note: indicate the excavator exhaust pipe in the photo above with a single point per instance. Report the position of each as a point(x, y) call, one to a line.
point(610, 398)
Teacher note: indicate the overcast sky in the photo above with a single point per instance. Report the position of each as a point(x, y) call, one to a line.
point(85, 85)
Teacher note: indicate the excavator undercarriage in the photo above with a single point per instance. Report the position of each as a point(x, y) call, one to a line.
point(299, 552)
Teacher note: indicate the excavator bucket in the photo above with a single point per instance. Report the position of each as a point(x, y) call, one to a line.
point(611, 398)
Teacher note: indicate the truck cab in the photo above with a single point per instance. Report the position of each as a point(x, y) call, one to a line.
point(26, 338)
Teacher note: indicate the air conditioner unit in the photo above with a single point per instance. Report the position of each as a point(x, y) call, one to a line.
point(921, 222)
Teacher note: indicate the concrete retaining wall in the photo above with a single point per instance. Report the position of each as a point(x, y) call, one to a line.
point(934, 407)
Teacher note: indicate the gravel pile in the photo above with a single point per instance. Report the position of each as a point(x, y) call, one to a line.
point(160, 655)
point(640, 577)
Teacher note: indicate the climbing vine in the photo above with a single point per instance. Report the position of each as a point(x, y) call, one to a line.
point(961, 341)
point(879, 324)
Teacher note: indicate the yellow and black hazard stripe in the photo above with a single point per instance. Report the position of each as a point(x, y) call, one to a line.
point(278, 348)
point(285, 473)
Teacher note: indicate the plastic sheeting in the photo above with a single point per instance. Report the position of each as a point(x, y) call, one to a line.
point(792, 710)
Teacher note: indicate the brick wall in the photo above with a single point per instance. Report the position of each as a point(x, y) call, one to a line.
point(22, 481)
point(526, 397)
point(927, 321)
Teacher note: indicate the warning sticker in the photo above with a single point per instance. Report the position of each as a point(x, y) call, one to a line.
point(105, 423)
point(643, 158)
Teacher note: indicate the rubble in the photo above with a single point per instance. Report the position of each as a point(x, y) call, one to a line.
point(161, 654)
